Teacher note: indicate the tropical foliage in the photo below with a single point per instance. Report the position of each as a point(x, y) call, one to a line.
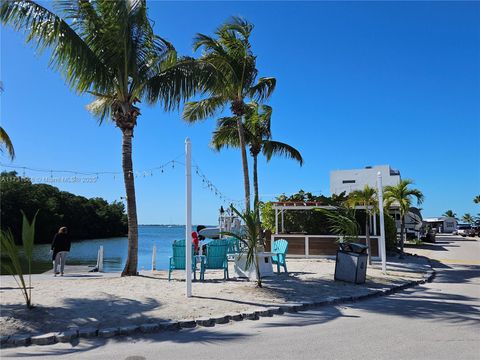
point(13, 265)
point(313, 222)
point(108, 49)
point(303, 221)
point(5, 141)
point(390, 233)
point(85, 218)
point(252, 238)
point(468, 218)
point(230, 80)
point(342, 222)
point(258, 137)
point(368, 199)
point(476, 199)
point(450, 213)
point(401, 196)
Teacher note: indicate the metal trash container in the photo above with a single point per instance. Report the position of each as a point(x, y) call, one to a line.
point(351, 263)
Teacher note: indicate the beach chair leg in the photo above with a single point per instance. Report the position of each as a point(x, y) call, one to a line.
point(278, 267)
point(169, 274)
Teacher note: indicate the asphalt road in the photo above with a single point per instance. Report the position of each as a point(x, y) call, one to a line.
point(439, 320)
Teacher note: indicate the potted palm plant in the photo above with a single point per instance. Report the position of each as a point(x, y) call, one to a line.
point(252, 241)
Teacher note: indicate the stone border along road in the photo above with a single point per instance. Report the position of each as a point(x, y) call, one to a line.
point(89, 332)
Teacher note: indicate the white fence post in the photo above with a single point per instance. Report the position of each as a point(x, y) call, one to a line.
point(154, 258)
point(100, 259)
point(307, 246)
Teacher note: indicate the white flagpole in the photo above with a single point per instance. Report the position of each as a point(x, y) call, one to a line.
point(383, 251)
point(188, 224)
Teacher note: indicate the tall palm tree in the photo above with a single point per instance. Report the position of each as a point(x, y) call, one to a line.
point(476, 199)
point(367, 198)
point(108, 49)
point(235, 79)
point(468, 218)
point(401, 195)
point(5, 139)
point(450, 213)
point(258, 136)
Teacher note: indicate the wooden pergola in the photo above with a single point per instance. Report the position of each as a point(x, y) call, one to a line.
point(307, 245)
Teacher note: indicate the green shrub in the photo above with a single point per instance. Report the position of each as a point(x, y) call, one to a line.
point(267, 215)
point(390, 233)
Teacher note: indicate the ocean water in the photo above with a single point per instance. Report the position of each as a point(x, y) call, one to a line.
point(115, 249)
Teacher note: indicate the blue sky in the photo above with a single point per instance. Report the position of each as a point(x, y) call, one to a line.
point(364, 83)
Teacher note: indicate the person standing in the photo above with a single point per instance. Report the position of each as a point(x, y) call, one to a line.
point(60, 248)
point(195, 242)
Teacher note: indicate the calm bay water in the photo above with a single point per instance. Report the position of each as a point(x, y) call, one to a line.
point(115, 249)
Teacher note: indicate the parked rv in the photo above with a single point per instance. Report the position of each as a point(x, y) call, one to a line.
point(465, 230)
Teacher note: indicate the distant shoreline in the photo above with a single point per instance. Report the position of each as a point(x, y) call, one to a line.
point(173, 225)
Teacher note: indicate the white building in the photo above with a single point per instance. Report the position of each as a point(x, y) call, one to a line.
point(350, 180)
point(442, 224)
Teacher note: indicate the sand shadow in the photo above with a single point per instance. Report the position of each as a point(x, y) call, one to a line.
point(120, 311)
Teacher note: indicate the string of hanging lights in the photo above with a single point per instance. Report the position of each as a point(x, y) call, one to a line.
point(150, 172)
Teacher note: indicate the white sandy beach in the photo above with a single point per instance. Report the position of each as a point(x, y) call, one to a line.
point(76, 300)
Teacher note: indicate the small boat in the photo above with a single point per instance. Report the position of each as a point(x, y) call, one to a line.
point(210, 232)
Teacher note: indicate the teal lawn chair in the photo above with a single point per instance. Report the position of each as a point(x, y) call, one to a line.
point(280, 248)
point(177, 261)
point(216, 258)
point(234, 246)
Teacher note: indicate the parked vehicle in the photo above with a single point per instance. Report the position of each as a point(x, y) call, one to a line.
point(465, 230)
point(475, 230)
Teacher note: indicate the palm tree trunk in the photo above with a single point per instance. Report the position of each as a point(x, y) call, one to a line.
point(257, 270)
point(255, 185)
point(367, 235)
point(246, 179)
point(402, 230)
point(128, 176)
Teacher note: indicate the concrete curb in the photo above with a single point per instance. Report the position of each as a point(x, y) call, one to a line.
point(269, 311)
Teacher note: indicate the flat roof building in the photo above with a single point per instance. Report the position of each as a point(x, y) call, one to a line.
point(356, 179)
point(442, 224)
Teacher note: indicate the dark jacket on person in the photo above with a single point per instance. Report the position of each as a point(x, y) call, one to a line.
point(61, 242)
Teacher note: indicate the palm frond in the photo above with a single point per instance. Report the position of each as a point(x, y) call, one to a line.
point(14, 265)
point(263, 89)
point(226, 134)
point(28, 234)
point(239, 25)
point(271, 148)
point(401, 195)
point(179, 80)
point(101, 107)
point(366, 197)
point(202, 109)
point(5, 141)
point(342, 223)
point(70, 54)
